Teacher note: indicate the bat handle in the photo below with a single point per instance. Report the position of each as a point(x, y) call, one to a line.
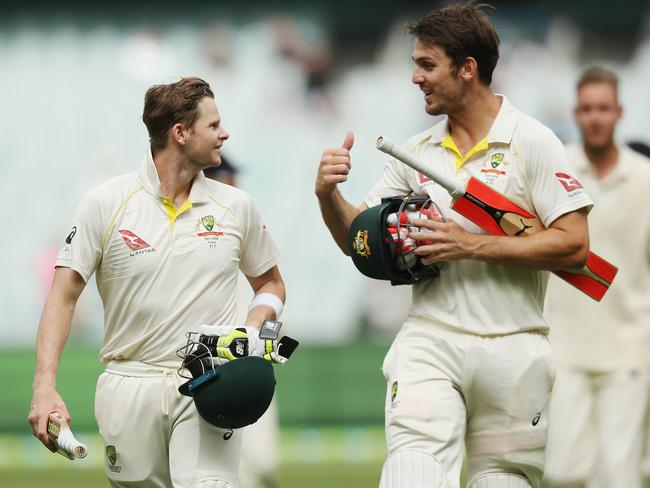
point(453, 185)
point(71, 446)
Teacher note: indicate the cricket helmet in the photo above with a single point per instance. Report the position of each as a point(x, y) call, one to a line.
point(377, 247)
point(231, 395)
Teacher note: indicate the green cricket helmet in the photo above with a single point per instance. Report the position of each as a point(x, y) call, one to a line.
point(232, 395)
point(378, 251)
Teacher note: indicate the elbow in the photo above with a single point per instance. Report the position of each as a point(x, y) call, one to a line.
point(579, 256)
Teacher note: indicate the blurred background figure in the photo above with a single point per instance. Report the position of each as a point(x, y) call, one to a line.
point(259, 460)
point(602, 350)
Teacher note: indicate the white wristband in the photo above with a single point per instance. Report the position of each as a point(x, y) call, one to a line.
point(270, 300)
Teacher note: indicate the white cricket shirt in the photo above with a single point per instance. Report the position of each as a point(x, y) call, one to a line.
point(163, 271)
point(614, 333)
point(519, 158)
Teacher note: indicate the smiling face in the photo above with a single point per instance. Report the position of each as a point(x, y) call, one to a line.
point(438, 78)
point(597, 113)
point(206, 136)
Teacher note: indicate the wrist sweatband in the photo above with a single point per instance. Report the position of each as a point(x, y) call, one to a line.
point(270, 300)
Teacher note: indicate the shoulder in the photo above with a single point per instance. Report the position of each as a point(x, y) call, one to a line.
point(530, 131)
point(230, 196)
point(113, 191)
point(424, 136)
point(638, 163)
point(576, 153)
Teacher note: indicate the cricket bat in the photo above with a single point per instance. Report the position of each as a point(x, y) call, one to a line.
point(493, 212)
point(61, 435)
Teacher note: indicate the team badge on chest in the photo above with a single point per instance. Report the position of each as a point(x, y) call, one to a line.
point(394, 402)
point(205, 228)
point(494, 167)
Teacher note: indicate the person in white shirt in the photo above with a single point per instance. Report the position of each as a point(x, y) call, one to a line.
point(166, 245)
point(603, 349)
point(471, 367)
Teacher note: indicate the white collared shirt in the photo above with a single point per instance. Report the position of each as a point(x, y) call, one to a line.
point(614, 333)
point(163, 271)
point(525, 161)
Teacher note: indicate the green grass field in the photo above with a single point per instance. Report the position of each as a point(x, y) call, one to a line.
point(291, 476)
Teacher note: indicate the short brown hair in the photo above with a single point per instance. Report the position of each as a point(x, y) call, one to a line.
point(462, 31)
point(596, 74)
point(166, 105)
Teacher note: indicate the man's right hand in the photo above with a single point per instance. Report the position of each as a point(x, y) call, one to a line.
point(334, 167)
point(44, 402)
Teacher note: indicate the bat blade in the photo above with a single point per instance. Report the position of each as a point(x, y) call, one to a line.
point(497, 215)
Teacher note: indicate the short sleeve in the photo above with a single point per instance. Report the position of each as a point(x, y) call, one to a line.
point(392, 183)
point(554, 188)
point(82, 249)
point(259, 252)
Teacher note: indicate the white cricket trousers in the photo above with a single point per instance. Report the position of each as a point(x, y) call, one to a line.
point(597, 432)
point(448, 391)
point(153, 435)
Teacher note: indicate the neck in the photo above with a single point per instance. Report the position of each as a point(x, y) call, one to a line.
point(473, 119)
point(175, 173)
point(603, 159)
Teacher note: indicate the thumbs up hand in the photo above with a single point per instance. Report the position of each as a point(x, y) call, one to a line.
point(334, 167)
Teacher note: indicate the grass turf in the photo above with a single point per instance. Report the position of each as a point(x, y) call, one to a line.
point(291, 476)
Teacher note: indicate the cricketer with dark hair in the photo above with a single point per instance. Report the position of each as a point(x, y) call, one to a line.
point(471, 368)
point(165, 244)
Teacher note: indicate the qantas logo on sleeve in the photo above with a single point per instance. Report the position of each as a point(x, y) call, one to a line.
point(134, 242)
point(423, 179)
point(568, 182)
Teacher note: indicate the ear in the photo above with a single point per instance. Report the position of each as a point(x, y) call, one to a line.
point(469, 69)
point(177, 133)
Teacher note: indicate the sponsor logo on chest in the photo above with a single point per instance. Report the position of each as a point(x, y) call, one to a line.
point(136, 243)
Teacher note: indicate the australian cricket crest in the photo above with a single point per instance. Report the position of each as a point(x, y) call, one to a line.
point(496, 160)
point(208, 222)
point(111, 454)
point(204, 227)
point(361, 243)
point(493, 168)
point(393, 395)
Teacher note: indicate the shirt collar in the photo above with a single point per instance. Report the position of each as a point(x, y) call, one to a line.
point(148, 176)
point(501, 131)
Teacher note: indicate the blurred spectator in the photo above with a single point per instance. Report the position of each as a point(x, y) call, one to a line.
point(640, 147)
point(225, 172)
point(602, 349)
point(259, 462)
point(309, 49)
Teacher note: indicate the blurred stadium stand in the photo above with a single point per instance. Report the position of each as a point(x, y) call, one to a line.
point(289, 82)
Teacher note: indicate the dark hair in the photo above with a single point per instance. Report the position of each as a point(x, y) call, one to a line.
point(462, 31)
point(596, 74)
point(166, 105)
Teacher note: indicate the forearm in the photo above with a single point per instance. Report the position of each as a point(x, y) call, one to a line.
point(549, 249)
point(338, 214)
point(53, 332)
point(270, 282)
